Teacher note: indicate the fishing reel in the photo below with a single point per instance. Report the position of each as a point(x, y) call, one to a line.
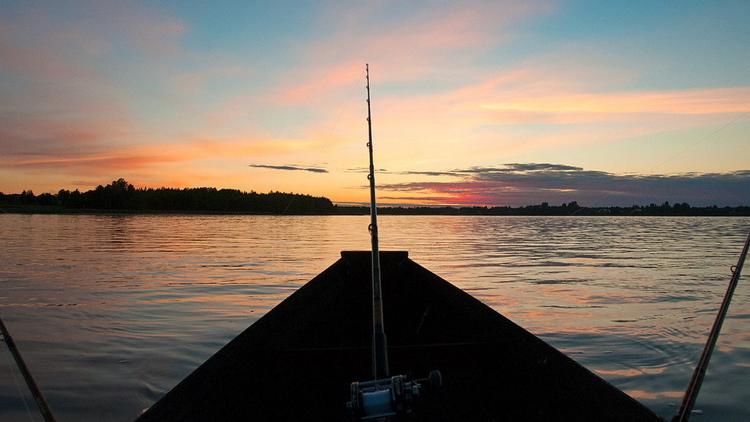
point(394, 396)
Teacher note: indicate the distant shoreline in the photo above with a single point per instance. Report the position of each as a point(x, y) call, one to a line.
point(403, 211)
point(120, 197)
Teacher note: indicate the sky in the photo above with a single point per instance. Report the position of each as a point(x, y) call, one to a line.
point(473, 103)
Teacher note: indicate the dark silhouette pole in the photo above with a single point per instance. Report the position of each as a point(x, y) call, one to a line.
point(379, 348)
point(700, 371)
point(43, 407)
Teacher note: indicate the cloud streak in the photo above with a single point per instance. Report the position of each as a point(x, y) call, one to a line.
point(706, 101)
point(290, 168)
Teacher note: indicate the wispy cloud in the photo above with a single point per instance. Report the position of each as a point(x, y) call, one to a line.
point(364, 170)
point(533, 167)
point(430, 173)
point(290, 167)
point(506, 168)
point(412, 43)
point(578, 107)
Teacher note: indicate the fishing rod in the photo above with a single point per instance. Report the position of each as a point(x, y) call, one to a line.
point(384, 397)
point(379, 347)
point(683, 414)
point(35, 391)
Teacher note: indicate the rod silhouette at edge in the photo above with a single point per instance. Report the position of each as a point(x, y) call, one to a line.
point(691, 394)
point(38, 397)
point(379, 347)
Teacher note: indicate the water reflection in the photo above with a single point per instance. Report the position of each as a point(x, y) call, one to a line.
point(112, 311)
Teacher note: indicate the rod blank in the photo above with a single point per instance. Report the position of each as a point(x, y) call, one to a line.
point(379, 348)
point(700, 370)
point(38, 397)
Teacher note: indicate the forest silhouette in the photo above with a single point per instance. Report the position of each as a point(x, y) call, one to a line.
point(121, 196)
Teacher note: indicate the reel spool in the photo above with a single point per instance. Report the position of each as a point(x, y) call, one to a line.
point(394, 396)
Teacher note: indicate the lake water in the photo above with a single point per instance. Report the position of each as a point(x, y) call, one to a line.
point(111, 311)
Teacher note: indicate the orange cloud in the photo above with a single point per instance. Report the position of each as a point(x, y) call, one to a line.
point(214, 162)
point(494, 116)
point(708, 101)
point(124, 158)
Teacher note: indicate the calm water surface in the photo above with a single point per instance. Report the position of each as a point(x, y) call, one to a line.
point(110, 312)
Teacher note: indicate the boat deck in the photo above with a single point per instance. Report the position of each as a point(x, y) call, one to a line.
point(297, 361)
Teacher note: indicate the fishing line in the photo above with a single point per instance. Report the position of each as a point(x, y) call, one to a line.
point(683, 151)
point(703, 139)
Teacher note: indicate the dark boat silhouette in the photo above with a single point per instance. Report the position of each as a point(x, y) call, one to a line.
point(296, 363)
point(301, 361)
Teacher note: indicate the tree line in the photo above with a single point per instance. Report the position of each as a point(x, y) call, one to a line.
point(121, 195)
point(571, 209)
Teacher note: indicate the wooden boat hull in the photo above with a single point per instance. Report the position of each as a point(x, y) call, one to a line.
point(297, 361)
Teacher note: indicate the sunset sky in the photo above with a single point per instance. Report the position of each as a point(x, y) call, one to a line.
point(497, 103)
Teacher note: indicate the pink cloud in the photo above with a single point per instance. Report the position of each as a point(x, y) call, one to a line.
point(407, 47)
point(341, 75)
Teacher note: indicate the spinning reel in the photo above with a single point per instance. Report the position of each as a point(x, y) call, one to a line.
point(394, 396)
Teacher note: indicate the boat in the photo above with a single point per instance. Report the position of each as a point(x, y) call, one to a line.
point(301, 361)
point(296, 363)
